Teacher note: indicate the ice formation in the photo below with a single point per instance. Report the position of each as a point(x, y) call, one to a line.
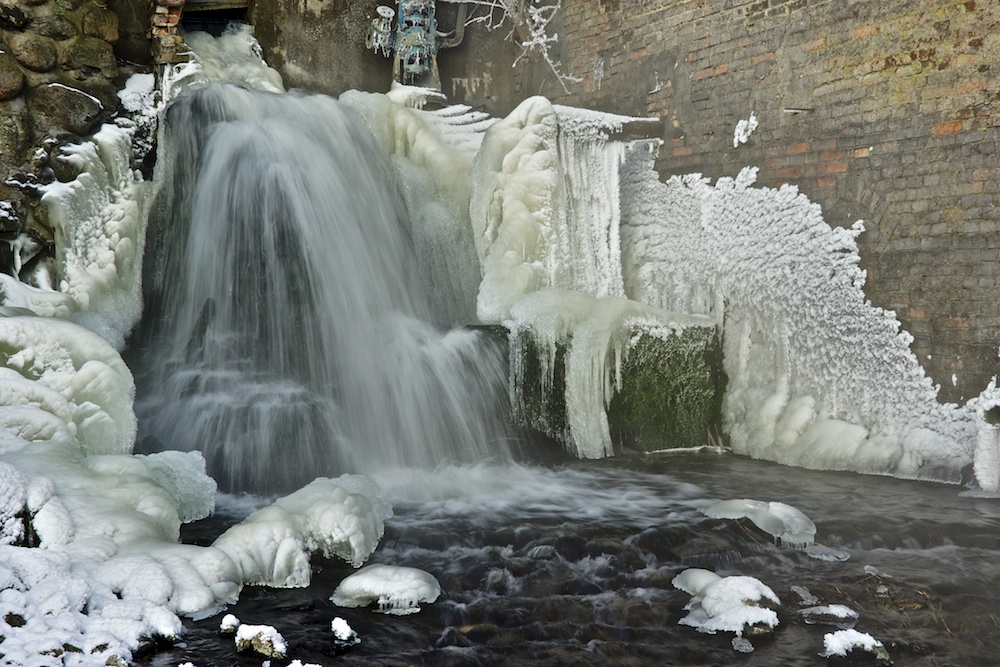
point(818, 377)
point(832, 614)
point(341, 517)
point(743, 130)
point(431, 155)
point(726, 604)
point(987, 456)
point(787, 524)
point(110, 572)
point(546, 214)
point(99, 220)
point(397, 590)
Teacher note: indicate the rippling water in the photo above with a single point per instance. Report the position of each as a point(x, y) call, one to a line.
point(570, 563)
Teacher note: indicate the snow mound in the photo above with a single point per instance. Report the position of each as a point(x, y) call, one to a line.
point(842, 642)
point(343, 517)
point(397, 590)
point(726, 604)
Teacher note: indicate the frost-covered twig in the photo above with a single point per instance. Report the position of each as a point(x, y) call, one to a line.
point(530, 19)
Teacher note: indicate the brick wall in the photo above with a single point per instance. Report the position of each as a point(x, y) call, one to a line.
point(884, 111)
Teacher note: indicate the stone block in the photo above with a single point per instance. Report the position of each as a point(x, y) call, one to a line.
point(36, 52)
point(101, 23)
point(90, 54)
point(11, 77)
point(57, 27)
point(57, 107)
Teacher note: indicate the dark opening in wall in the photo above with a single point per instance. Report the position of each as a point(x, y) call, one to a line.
point(993, 415)
point(213, 21)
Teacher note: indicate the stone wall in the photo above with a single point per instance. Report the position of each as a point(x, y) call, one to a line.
point(58, 76)
point(883, 111)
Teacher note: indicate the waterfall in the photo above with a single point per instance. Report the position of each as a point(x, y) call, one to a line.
point(287, 327)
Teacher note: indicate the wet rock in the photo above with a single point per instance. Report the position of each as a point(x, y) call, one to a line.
point(56, 27)
point(55, 106)
point(101, 23)
point(452, 636)
point(36, 52)
point(91, 56)
point(70, 4)
point(480, 633)
point(11, 78)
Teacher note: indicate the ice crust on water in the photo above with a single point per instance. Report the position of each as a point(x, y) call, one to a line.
point(787, 524)
point(725, 604)
point(832, 614)
point(397, 590)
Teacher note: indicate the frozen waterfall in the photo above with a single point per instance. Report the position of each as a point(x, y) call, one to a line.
point(288, 329)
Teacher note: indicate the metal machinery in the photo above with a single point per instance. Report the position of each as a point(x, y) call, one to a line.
point(413, 41)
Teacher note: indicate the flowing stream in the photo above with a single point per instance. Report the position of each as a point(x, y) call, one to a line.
point(570, 563)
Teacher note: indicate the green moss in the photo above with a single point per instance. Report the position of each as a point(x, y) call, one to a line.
point(538, 394)
point(671, 391)
point(670, 395)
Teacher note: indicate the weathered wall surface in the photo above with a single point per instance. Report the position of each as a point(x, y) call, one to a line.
point(884, 111)
point(319, 44)
point(58, 81)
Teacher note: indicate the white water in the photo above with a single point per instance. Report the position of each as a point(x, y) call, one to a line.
point(288, 328)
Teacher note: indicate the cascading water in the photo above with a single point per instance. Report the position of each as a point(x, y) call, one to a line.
point(287, 330)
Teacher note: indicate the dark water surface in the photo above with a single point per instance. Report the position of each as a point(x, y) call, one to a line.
point(571, 564)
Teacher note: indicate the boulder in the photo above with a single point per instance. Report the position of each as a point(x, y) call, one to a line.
point(56, 27)
point(70, 4)
point(101, 23)
point(15, 133)
point(55, 106)
point(36, 52)
point(11, 78)
point(91, 56)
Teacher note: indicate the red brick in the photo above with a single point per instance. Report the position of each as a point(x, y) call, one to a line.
point(948, 127)
point(836, 168)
